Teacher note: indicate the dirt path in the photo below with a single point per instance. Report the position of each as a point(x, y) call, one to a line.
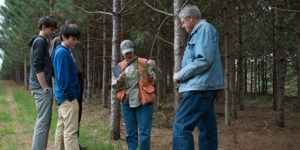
point(21, 137)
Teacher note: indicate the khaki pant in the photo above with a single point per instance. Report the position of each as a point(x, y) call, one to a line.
point(67, 126)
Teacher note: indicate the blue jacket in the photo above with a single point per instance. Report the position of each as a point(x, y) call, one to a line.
point(201, 63)
point(66, 86)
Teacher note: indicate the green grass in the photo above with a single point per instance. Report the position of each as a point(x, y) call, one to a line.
point(261, 101)
point(2, 90)
point(94, 133)
point(7, 127)
point(27, 112)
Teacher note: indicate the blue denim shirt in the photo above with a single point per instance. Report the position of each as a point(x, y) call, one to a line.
point(201, 64)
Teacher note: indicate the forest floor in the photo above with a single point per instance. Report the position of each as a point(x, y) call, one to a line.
point(255, 128)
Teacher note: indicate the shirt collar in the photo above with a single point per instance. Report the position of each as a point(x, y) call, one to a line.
point(197, 25)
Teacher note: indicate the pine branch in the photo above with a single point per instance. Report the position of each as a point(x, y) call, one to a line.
point(97, 12)
point(164, 40)
point(158, 30)
point(280, 9)
point(166, 13)
point(106, 6)
point(122, 9)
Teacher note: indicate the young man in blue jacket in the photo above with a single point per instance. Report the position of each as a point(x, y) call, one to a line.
point(40, 82)
point(67, 90)
point(200, 78)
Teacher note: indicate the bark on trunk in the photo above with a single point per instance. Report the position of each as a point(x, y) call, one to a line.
point(159, 85)
point(251, 76)
point(233, 88)
point(274, 64)
point(298, 38)
point(281, 63)
point(88, 59)
point(104, 60)
point(240, 91)
point(228, 45)
point(25, 74)
point(51, 4)
point(245, 75)
point(255, 77)
point(115, 103)
point(179, 37)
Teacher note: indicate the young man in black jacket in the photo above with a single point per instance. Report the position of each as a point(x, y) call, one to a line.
point(40, 82)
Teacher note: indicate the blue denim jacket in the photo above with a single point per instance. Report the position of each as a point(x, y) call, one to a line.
point(201, 63)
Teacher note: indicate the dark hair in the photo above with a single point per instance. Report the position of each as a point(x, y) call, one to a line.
point(68, 31)
point(70, 21)
point(48, 22)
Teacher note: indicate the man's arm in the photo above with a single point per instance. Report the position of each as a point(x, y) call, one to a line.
point(153, 72)
point(42, 80)
point(62, 63)
point(38, 64)
point(204, 51)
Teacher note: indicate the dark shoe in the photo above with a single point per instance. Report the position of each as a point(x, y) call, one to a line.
point(81, 147)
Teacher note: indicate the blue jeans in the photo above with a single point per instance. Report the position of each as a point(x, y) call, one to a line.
point(196, 109)
point(134, 118)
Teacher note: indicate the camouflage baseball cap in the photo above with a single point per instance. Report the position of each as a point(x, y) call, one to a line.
point(126, 46)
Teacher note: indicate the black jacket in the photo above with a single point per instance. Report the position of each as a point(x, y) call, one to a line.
point(39, 61)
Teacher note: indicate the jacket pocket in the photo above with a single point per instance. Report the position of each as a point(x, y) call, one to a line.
point(149, 89)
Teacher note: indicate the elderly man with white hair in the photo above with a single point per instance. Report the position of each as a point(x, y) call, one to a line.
point(200, 78)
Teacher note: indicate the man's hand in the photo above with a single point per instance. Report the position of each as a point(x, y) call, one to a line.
point(122, 77)
point(175, 78)
point(152, 63)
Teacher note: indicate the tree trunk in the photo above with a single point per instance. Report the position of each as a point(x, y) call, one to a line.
point(164, 74)
point(245, 75)
point(259, 69)
point(263, 89)
point(281, 63)
point(274, 64)
point(115, 104)
point(93, 74)
point(233, 88)
point(227, 17)
point(298, 38)
point(251, 76)
point(240, 91)
point(179, 37)
point(25, 73)
point(255, 77)
point(104, 60)
point(159, 85)
point(51, 4)
point(88, 59)
point(171, 83)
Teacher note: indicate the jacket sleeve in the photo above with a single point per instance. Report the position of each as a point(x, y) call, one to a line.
point(39, 50)
point(55, 42)
point(202, 54)
point(63, 71)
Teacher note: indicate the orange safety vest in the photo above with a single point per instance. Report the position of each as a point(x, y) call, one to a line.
point(147, 90)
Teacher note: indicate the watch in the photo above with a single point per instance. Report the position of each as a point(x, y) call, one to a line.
point(47, 90)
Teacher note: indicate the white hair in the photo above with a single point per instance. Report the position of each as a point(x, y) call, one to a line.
point(190, 10)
